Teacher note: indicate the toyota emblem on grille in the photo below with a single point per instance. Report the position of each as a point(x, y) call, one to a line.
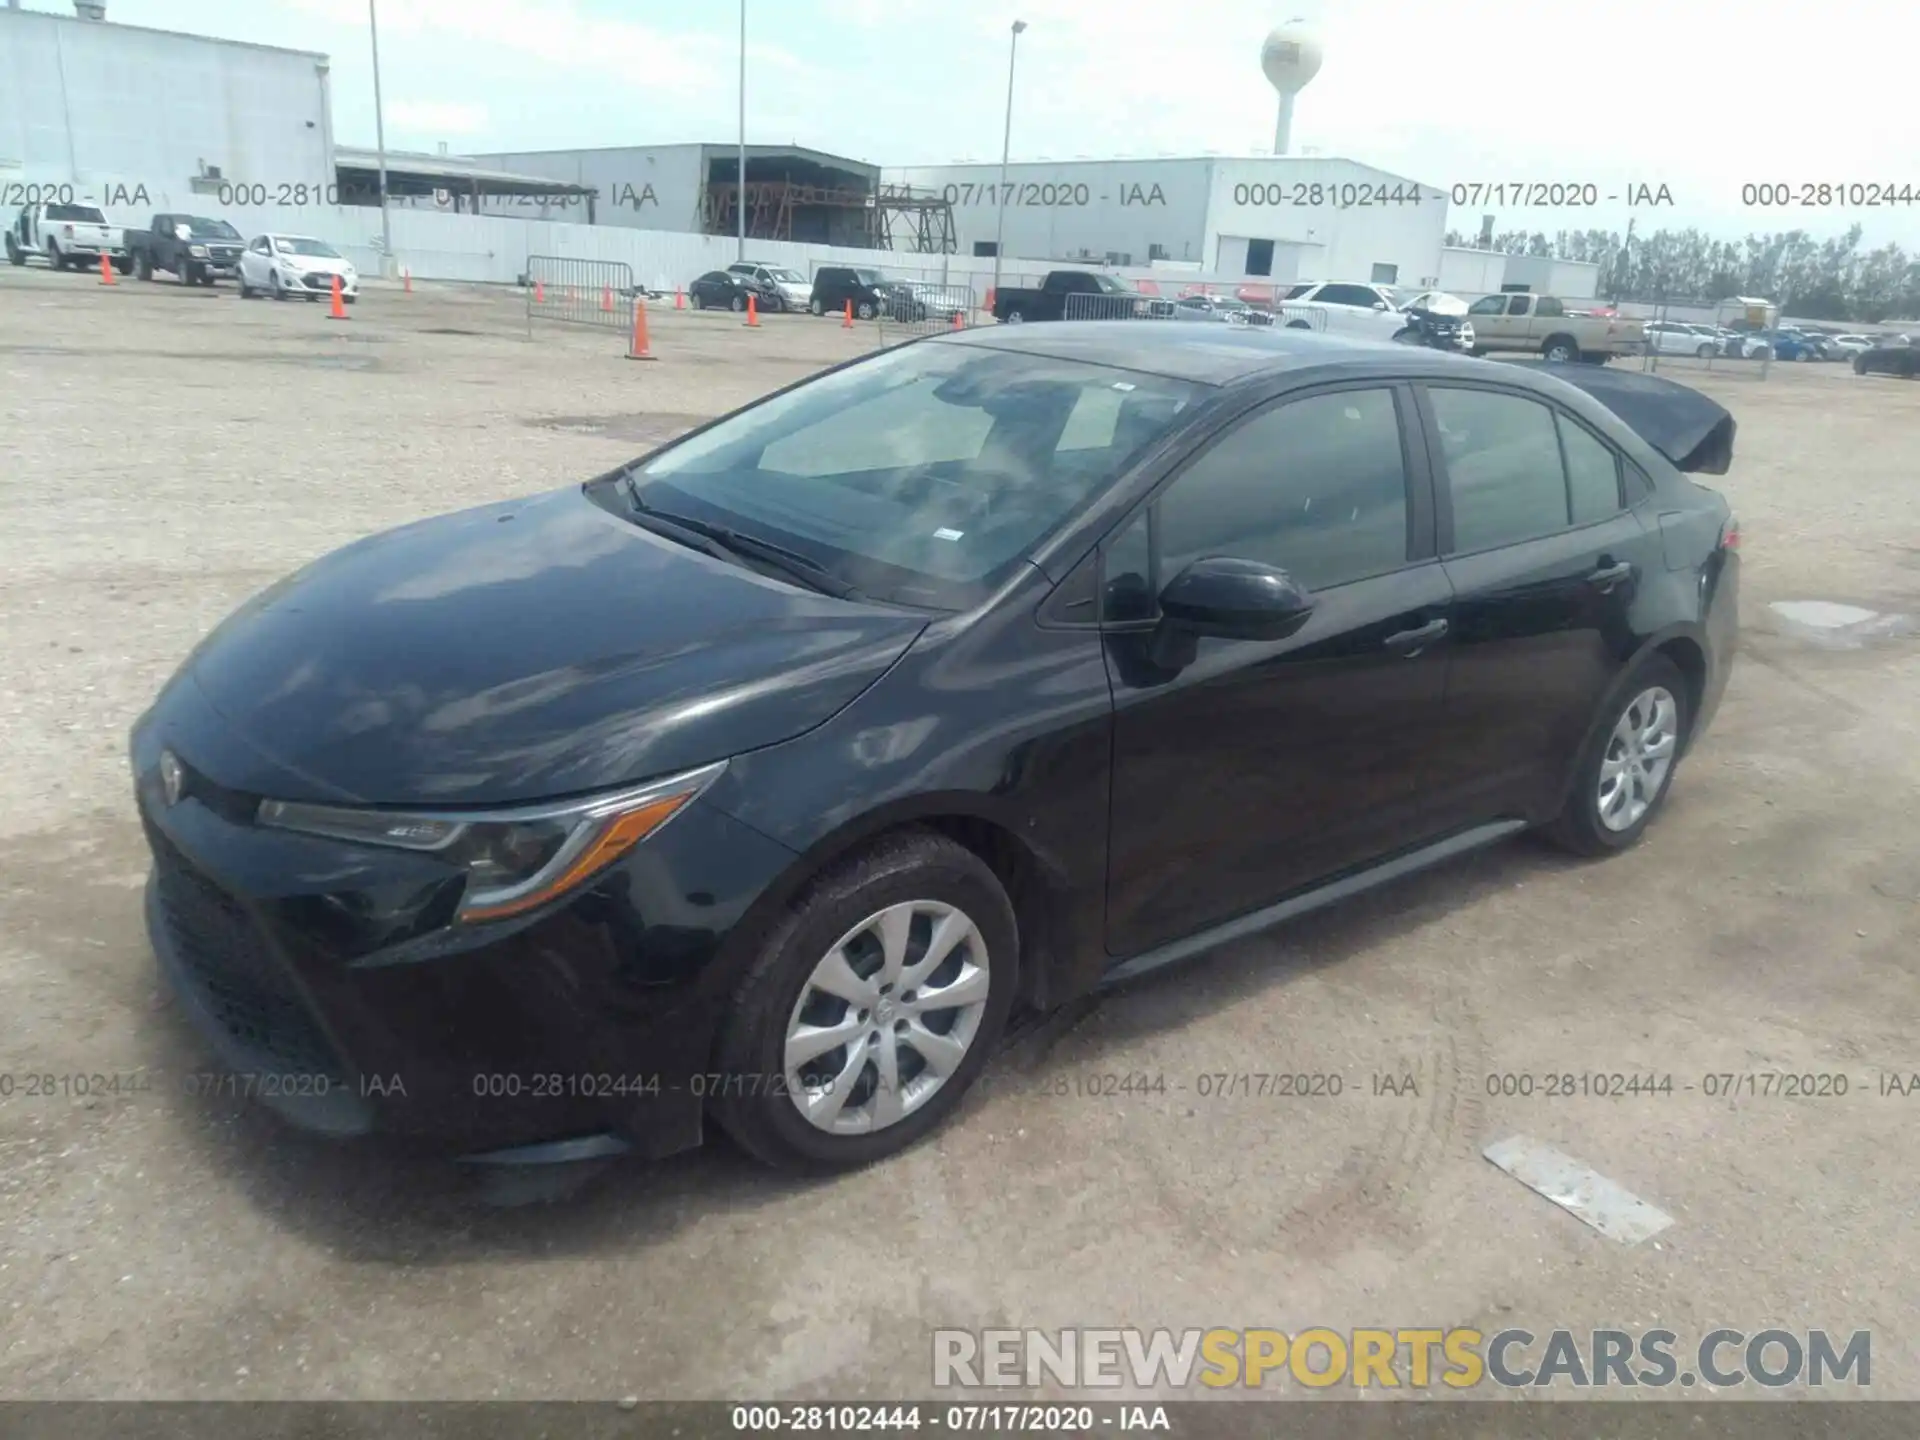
point(173, 779)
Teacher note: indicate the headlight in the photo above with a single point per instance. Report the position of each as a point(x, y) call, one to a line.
point(515, 859)
point(199, 252)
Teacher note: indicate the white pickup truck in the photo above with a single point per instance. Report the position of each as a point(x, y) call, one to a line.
point(67, 235)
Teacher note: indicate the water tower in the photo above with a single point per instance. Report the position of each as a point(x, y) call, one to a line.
point(1290, 57)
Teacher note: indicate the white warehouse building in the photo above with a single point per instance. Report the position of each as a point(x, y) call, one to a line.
point(1288, 217)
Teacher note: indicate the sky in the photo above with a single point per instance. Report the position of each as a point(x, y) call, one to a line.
point(1699, 96)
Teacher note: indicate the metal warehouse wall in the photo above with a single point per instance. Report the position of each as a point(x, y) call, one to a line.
point(1471, 272)
point(1569, 279)
point(111, 108)
point(1077, 209)
point(641, 187)
point(1332, 204)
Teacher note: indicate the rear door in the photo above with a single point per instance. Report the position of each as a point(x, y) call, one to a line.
point(1249, 769)
point(1545, 561)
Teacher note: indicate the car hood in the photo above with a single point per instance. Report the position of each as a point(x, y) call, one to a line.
point(1693, 432)
point(522, 651)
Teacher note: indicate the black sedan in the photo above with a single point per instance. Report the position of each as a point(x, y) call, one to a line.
point(1892, 356)
point(762, 778)
point(724, 290)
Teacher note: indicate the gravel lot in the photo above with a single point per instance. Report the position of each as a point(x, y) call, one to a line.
point(169, 452)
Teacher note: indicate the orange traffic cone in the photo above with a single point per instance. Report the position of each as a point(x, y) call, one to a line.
point(846, 322)
point(958, 323)
point(637, 347)
point(989, 302)
point(606, 300)
point(106, 272)
point(339, 311)
point(539, 293)
point(753, 311)
point(407, 277)
point(679, 298)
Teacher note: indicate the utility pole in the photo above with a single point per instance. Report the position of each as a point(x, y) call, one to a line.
point(1006, 146)
point(380, 143)
point(743, 132)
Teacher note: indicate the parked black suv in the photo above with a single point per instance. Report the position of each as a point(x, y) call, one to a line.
point(835, 285)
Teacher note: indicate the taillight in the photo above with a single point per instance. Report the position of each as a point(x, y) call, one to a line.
point(1730, 533)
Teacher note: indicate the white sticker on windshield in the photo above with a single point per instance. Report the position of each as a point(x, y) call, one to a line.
point(1125, 385)
point(945, 534)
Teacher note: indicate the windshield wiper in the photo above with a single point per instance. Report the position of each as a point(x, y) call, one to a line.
point(724, 543)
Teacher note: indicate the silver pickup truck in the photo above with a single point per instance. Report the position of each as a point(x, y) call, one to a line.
point(66, 236)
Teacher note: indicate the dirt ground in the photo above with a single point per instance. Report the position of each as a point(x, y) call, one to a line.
point(168, 452)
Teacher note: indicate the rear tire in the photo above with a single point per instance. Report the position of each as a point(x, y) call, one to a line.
point(15, 255)
point(816, 308)
point(1705, 352)
point(1598, 820)
point(739, 304)
point(1560, 349)
point(781, 992)
point(1016, 316)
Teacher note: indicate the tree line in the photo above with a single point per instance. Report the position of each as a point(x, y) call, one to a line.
point(1810, 279)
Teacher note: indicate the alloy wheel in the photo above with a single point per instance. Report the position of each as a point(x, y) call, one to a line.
point(1639, 754)
point(886, 1017)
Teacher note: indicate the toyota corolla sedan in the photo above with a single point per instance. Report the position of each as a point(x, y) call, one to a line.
point(761, 779)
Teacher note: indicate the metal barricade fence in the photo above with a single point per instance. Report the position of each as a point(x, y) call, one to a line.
point(1218, 303)
point(579, 292)
point(911, 307)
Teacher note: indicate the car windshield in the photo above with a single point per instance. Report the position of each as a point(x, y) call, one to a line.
point(1227, 302)
point(301, 245)
point(924, 475)
point(1112, 285)
point(204, 229)
point(787, 276)
point(868, 277)
point(76, 212)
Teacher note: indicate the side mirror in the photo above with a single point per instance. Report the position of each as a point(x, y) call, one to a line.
point(1234, 599)
point(1381, 305)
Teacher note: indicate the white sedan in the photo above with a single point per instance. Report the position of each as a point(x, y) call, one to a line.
point(1849, 346)
point(286, 266)
point(1668, 337)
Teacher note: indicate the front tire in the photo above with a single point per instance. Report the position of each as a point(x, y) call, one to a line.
point(837, 1052)
point(815, 307)
point(1705, 352)
point(739, 304)
point(1628, 765)
point(864, 310)
point(143, 267)
point(15, 255)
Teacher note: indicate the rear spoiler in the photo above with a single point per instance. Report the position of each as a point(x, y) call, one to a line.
point(1693, 432)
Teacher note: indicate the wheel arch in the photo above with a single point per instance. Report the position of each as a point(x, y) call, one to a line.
point(1682, 644)
point(1035, 886)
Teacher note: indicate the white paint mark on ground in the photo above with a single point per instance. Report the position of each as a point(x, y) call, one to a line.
point(1840, 627)
point(1583, 1192)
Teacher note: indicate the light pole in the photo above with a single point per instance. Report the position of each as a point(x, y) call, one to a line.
point(380, 144)
point(742, 177)
point(1006, 146)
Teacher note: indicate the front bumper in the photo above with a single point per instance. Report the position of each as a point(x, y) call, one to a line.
point(315, 282)
point(325, 977)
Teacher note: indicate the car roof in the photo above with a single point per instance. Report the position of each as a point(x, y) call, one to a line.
point(1210, 355)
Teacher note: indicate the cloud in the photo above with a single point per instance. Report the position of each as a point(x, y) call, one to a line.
point(440, 116)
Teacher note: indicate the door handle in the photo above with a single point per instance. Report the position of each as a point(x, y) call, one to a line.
point(1608, 576)
point(1411, 642)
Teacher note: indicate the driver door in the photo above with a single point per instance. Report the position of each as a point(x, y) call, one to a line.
point(1257, 768)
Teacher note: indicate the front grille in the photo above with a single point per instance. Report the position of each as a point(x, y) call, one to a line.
point(317, 282)
point(225, 254)
point(224, 957)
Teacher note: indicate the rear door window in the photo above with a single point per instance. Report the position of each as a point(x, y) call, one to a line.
point(1505, 477)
